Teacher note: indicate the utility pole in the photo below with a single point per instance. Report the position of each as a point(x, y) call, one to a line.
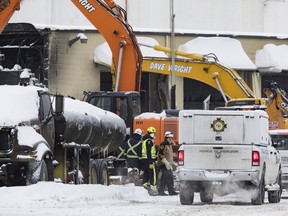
point(173, 86)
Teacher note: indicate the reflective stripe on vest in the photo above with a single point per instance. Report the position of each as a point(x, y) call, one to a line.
point(122, 152)
point(131, 149)
point(144, 150)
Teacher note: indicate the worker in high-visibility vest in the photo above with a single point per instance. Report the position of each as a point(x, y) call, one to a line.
point(134, 149)
point(121, 152)
point(165, 162)
point(148, 160)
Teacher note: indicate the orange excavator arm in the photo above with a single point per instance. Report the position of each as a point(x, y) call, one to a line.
point(110, 20)
point(7, 8)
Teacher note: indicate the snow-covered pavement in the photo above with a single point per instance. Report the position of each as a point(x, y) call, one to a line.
point(49, 198)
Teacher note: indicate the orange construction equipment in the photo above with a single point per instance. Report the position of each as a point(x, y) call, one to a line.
point(7, 8)
point(110, 20)
point(161, 122)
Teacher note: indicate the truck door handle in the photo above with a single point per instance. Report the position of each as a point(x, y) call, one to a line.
point(217, 147)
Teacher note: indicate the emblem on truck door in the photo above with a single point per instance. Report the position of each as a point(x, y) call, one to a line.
point(218, 125)
point(217, 154)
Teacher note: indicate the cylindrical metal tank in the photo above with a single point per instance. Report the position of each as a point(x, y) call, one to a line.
point(84, 123)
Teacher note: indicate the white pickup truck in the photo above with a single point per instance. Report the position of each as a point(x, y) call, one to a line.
point(280, 141)
point(224, 151)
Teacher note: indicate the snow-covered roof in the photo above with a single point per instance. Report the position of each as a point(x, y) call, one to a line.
point(103, 54)
point(272, 58)
point(229, 51)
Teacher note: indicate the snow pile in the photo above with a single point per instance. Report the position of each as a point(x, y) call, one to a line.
point(228, 51)
point(50, 198)
point(146, 46)
point(15, 68)
point(21, 102)
point(150, 115)
point(60, 195)
point(77, 106)
point(28, 140)
point(272, 58)
point(103, 54)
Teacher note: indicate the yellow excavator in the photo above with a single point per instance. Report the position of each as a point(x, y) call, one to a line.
point(276, 105)
point(204, 68)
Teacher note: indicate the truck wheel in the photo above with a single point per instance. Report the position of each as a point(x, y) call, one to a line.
point(93, 173)
point(258, 195)
point(102, 171)
point(37, 172)
point(186, 193)
point(275, 196)
point(206, 195)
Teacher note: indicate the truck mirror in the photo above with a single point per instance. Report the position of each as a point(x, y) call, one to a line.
point(59, 104)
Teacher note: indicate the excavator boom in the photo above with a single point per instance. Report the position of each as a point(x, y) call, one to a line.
point(7, 8)
point(110, 20)
point(203, 68)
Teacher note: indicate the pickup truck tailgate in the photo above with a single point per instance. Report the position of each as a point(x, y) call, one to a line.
point(218, 157)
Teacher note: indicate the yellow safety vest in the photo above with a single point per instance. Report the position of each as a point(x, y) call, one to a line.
point(144, 150)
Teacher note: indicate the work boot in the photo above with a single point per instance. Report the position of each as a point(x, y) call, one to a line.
point(146, 185)
point(153, 190)
point(153, 187)
point(173, 193)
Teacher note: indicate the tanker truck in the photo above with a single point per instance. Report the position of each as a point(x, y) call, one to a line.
point(46, 138)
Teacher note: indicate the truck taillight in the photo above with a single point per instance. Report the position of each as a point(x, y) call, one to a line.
point(255, 158)
point(181, 157)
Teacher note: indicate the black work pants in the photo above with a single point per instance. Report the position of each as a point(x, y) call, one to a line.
point(166, 180)
point(149, 172)
point(133, 163)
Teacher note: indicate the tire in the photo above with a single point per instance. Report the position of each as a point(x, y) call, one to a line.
point(44, 172)
point(50, 167)
point(186, 193)
point(37, 172)
point(258, 195)
point(275, 196)
point(40, 171)
point(93, 173)
point(206, 195)
point(102, 172)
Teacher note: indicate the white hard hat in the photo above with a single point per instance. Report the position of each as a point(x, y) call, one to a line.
point(168, 134)
point(138, 131)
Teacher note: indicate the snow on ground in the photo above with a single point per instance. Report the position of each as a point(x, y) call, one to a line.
point(50, 198)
